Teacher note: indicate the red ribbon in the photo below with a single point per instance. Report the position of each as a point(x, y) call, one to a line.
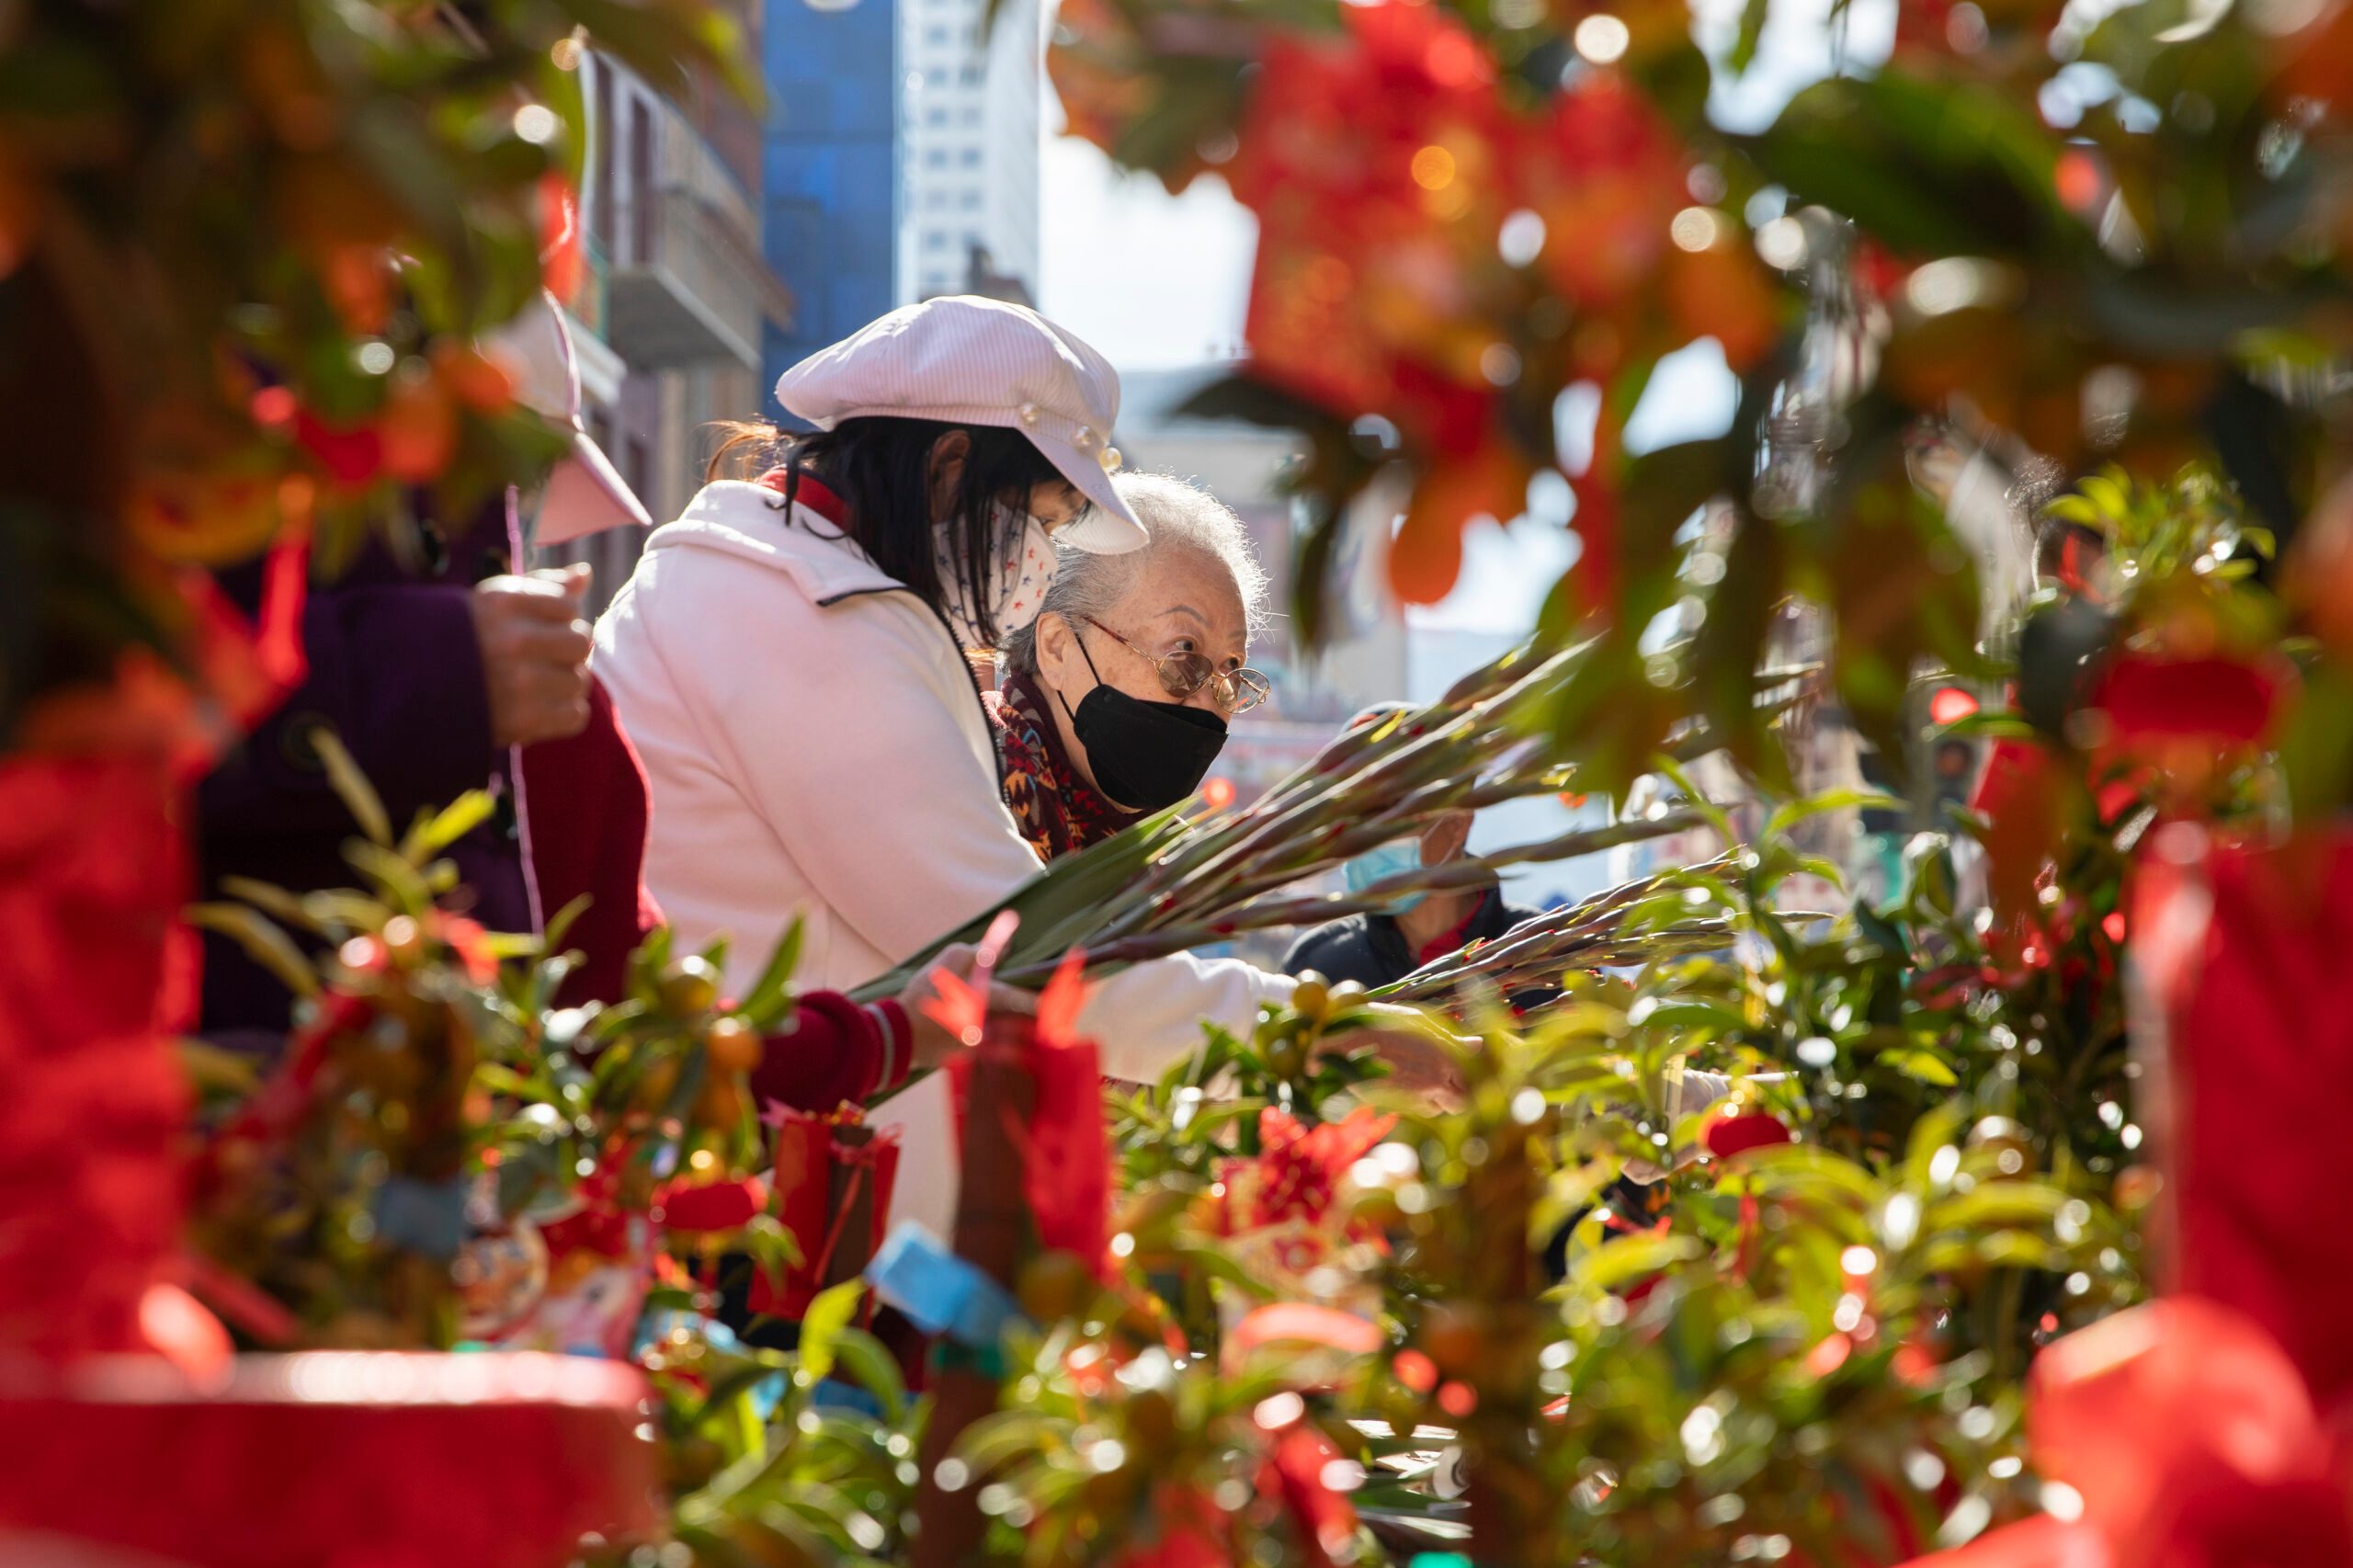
point(2192, 1442)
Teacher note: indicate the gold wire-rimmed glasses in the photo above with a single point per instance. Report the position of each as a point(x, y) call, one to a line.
point(1187, 671)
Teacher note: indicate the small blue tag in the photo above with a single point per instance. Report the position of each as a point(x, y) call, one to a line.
point(940, 1292)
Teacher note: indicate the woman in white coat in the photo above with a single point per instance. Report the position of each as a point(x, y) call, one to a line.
point(791, 658)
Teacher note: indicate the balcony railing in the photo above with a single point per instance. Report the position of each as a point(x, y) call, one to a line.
point(694, 287)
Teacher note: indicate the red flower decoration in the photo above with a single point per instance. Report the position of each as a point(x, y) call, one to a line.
point(1304, 1323)
point(1378, 161)
point(1294, 1471)
point(2214, 699)
point(1064, 995)
point(1728, 1136)
point(470, 943)
point(1298, 1169)
point(956, 1005)
point(92, 875)
point(1191, 1531)
point(1606, 176)
point(599, 1225)
point(711, 1206)
point(352, 455)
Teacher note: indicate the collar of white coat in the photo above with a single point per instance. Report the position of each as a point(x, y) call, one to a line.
point(754, 524)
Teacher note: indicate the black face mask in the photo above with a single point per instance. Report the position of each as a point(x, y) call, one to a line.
point(1146, 755)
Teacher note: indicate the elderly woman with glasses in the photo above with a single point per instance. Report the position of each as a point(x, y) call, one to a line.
point(1115, 700)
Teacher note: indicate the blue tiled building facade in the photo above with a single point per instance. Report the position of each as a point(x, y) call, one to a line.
point(830, 219)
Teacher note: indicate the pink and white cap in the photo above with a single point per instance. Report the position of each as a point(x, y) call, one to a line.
point(962, 360)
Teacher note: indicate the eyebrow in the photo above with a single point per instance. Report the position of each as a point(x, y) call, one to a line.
point(1233, 662)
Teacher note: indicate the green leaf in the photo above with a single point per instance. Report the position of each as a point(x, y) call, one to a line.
point(1212, 1262)
point(1989, 724)
point(995, 1441)
point(1624, 1259)
point(1926, 1067)
point(873, 1368)
point(499, 1079)
point(1693, 1016)
point(1883, 933)
point(399, 880)
point(2106, 496)
point(1944, 166)
point(732, 1384)
point(273, 901)
point(434, 834)
point(210, 1068)
point(769, 999)
point(1936, 1130)
point(559, 924)
point(1800, 1171)
point(351, 784)
point(1795, 811)
point(1996, 1204)
point(265, 943)
point(823, 1324)
point(1752, 32)
point(1698, 801)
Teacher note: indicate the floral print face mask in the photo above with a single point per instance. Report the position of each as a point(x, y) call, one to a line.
point(1019, 570)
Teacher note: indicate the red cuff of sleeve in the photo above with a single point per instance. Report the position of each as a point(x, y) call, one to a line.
point(831, 1051)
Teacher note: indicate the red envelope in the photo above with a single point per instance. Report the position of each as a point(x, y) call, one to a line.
point(833, 1181)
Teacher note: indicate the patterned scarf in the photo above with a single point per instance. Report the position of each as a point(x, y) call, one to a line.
point(1058, 810)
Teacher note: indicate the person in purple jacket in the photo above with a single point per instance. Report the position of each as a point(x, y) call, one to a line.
point(430, 677)
point(435, 668)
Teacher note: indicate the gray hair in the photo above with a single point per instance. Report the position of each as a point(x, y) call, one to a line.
point(1179, 516)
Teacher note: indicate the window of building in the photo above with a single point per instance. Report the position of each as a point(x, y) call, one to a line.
point(640, 474)
point(969, 201)
point(970, 75)
point(936, 240)
point(970, 157)
point(936, 114)
point(969, 117)
point(935, 158)
point(935, 35)
point(601, 127)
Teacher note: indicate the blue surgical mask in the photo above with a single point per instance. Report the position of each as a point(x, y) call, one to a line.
point(1381, 863)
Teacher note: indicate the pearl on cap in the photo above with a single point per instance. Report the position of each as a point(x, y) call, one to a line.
point(1028, 413)
point(1085, 438)
point(1110, 460)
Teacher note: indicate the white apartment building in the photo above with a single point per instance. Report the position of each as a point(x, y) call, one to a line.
point(972, 110)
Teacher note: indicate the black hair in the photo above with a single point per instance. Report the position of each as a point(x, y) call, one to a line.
point(881, 467)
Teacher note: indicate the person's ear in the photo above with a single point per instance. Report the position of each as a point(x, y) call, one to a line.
point(1444, 840)
point(1053, 644)
point(946, 475)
